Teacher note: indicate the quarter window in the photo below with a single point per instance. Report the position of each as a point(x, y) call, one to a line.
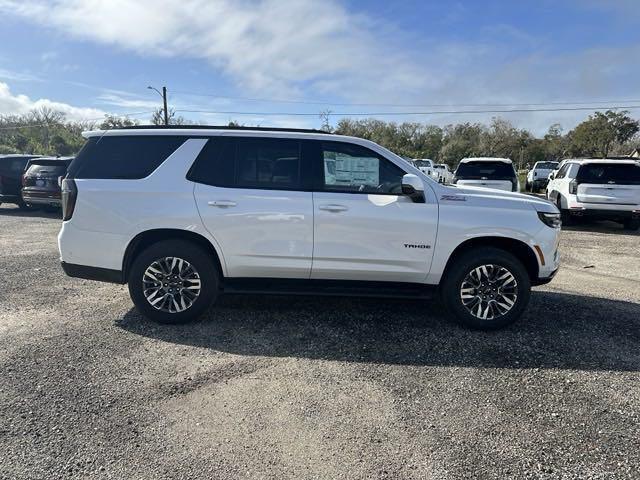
point(355, 169)
point(123, 156)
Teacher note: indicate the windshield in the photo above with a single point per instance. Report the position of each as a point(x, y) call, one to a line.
point(621, 174)
point(546, 165)
point(479, 170)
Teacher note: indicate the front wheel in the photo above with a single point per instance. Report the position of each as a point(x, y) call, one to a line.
point(173, 281)
point(486, 288)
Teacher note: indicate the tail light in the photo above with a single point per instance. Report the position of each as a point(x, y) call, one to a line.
point(69, 196)
point(514, 184)
point(573, 187)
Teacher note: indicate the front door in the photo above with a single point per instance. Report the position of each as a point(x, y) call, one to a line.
point(364, 228)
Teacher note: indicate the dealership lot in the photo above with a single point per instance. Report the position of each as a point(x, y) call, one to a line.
point(280, 387)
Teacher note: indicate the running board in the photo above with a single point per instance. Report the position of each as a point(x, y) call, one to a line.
point(340, 288)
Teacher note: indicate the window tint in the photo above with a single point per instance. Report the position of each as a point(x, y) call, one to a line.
point(546, 165)
point(124, 156)
point(352, 168)
point(215, 165)
point(50, 169)
point(563, 171)
point(268, 163)
point(480, 170)
point(620, 174)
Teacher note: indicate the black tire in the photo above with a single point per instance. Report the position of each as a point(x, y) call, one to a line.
point(632, 224)
point(565, 216)
point(23, 206)
point(200, 259)
point(527, 186)
point(462, 266)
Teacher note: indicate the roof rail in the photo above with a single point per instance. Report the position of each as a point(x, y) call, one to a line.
point(220, 127)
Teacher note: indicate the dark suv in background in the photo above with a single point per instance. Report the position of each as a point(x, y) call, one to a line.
point(11, 169)
point(40, 182)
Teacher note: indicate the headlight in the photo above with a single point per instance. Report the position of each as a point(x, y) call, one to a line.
point(550, 219)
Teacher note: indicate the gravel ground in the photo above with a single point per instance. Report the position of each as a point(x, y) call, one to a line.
point(274, 387)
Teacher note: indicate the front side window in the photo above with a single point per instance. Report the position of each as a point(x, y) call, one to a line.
point(563, 171)
point(356, 169)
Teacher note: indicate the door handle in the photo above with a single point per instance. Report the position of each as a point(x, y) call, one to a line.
point(222, 203)
point(333, 208)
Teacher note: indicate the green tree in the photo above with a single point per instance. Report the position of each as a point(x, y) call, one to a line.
point(595, 136)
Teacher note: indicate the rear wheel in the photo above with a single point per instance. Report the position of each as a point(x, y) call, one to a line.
point(632, 224)
point(486, 288)
point(173, 281)
point(565, 216)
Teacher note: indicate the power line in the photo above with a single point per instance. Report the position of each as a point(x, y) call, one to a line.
point(434, 112)
point(433, 105)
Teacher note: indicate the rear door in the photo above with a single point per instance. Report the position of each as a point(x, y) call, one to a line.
point(11, 170)
point(365, 228)
point(252, 200)
point(609, 183)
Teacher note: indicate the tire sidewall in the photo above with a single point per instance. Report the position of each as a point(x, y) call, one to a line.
point(196, 256)
point(467, 262)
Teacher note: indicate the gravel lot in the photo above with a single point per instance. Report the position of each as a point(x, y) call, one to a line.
point(275, 387)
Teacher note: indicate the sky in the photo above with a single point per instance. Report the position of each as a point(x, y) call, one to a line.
point(283, 61)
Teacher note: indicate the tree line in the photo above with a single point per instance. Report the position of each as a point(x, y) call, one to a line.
point(48, 132)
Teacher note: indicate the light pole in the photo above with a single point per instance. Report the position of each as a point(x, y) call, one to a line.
point(163, 94)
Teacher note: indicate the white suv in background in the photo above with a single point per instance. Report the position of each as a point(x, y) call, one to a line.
point(487, 172)
point(597, 188)
point(185, 214)
point(425, 165)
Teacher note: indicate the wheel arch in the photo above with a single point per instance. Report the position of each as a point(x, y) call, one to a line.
point(147, 238)
point(517, 248)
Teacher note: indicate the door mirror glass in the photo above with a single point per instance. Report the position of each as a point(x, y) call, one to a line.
point(413, 187)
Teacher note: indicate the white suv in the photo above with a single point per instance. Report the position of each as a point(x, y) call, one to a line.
point(597, 188)
point(487, 172)
point(442, 174)
point(185, 214)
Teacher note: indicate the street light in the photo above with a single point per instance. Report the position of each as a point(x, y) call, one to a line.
point(163, 94)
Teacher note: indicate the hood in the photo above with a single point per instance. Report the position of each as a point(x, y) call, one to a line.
point(495, 198)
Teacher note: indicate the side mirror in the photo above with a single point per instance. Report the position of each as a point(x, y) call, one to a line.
point(413, 188)
point(552, 175)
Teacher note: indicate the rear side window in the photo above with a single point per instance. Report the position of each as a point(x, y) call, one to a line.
point(620, 174)
point(123, 157)
point(546, 165)
point(480, 170)
point(268, 163)
point(248, 162)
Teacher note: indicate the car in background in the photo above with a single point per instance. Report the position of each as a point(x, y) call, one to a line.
point(538, 176)
point(487, 172)
point(11, 169)
point(598, 188)
point(41, 181)
point(425, 165)
point(442, 174)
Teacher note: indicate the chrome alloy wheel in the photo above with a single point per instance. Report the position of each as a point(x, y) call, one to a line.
point(171, 284)
point(489, 292)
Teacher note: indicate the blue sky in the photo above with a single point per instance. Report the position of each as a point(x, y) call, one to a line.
point(89, 57)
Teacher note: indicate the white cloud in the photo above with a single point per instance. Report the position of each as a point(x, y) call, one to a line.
point(268, 45)
point(11, 104)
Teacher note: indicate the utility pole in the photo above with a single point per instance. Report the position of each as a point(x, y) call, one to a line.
point(165, 110)
point(164, 99)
